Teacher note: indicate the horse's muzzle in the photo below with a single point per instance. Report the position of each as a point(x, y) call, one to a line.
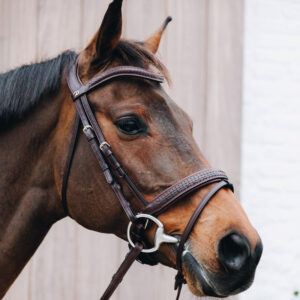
point(237, 267)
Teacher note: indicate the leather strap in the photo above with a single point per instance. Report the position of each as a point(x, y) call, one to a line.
point(121, 71)
point(179, 279)
point(68, 164)
point(182, 188)
point(119, 275)
point(113, 170)
point(95, 136)
point(195, 217)
point(87, 116)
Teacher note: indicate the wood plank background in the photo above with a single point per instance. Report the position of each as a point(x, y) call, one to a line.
point(202, 48)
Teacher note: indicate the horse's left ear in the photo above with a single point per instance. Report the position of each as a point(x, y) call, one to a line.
point(152, 43)
point(107, 37)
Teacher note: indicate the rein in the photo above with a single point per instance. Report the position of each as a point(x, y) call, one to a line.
point(113, 173)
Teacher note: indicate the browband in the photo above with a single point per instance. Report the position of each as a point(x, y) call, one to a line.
point(78, 89)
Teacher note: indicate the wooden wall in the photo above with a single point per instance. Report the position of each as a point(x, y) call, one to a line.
point(202, 48)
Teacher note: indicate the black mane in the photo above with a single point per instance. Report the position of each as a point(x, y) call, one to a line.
point(23, 88)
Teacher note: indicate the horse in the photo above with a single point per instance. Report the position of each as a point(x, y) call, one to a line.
point(152, 139)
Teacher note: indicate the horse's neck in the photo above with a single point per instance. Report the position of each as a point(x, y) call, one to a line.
point(28, 192)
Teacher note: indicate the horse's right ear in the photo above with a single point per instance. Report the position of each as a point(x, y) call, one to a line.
point(101, 47)
point(152, 43)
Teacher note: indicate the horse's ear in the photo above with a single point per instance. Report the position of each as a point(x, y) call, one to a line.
point(108, 36)
point(152, 43)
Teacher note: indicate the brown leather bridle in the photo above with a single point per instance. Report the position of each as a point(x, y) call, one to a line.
point(113, 173)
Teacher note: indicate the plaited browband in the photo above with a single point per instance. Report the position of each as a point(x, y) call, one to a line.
point(113, 173)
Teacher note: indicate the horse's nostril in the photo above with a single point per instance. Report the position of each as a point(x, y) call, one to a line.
point(233, 251)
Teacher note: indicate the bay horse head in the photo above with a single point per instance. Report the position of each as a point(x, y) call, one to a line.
point(152, 139)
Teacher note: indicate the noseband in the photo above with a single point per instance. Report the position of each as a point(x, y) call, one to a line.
point(114, 173)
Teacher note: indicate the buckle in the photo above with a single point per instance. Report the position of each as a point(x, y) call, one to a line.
point(102, 144)
point(86, 128)
point(159, 238)
point(76, 93)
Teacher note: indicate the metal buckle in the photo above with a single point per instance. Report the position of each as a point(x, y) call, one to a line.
point(159, 238)
point(76, 93)
point(86, 128)
point(102, 144)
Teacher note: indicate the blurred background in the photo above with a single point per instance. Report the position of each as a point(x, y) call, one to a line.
point(235, 66)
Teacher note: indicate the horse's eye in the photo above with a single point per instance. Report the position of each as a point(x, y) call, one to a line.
point(131, 125)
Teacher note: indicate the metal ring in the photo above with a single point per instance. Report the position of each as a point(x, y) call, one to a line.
point(159, 238)
point(102, 144)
